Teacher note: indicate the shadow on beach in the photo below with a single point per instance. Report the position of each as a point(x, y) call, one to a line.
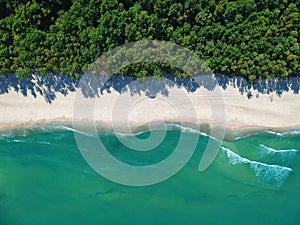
point(93, 86)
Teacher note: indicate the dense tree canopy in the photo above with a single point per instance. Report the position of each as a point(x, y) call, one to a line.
point(253, 38)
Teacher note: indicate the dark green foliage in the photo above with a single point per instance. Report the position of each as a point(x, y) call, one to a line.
point(253, 38)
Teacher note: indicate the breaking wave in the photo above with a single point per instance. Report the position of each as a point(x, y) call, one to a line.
point(266, 172)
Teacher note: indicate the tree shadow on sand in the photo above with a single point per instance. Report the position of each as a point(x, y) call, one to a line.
point(46, 86)
point(94, 86)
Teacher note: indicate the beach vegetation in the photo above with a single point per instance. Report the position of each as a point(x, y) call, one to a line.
point(253, 38)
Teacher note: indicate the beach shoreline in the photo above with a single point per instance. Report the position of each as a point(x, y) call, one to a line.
point(230, 135)
point(265, 111)
point(109, 126)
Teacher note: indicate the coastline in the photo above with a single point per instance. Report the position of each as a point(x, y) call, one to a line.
point(202, 129)
point(265, 111)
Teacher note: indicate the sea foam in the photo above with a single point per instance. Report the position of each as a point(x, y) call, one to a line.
point(266, 172)
point(285, 157)
point(291, 132)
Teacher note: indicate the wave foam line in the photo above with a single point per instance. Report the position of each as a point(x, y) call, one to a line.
point(245, 136)
point(268, 149)
point(43, 142)
point(15, 141)
point(279, 134)
point(286, 156)
point(129, 134)
point(63, 127)
point(259, 132)
point(188, 129)
point(169, 125)
point(275, 133)
point(292, 132)
point(266, 172)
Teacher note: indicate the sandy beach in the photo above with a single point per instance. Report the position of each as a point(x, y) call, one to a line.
point(227, 108)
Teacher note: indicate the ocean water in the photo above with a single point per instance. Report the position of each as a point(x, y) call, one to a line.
point(44, 179)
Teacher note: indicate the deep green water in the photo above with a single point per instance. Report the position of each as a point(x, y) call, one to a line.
point(45, 180)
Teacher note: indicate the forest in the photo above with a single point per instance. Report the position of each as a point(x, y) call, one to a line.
point(252, 38)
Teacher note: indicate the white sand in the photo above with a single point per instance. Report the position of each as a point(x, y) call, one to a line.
point(266, 111)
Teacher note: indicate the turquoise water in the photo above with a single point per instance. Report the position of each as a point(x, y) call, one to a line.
point(45, 180)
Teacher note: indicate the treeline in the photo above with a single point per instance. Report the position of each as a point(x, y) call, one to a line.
point(253, 38)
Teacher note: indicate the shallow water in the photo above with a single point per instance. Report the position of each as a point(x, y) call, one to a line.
point(45, 180)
